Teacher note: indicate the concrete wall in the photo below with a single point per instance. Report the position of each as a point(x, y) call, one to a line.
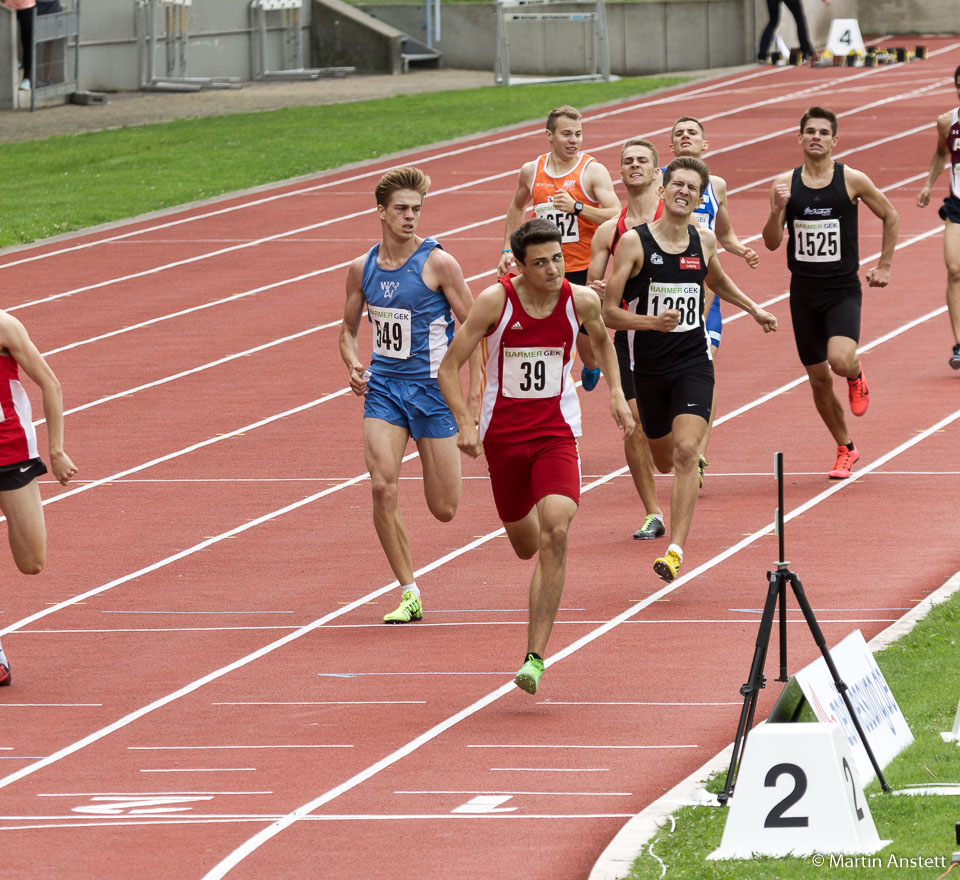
point(648, 36)
point(343, 36)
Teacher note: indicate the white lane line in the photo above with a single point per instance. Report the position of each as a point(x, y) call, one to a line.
point(133, 794)
point(217, 748)
point(204, 770)
point(256, 841)
point(376, 817)
point(516, 793)
point(578, 746)
point(322, 703)
point(551, 769)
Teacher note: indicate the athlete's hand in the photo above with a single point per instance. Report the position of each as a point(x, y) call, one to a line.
point(667, 320)
point(622, 415)
point(598, 287)
point(468, 440)
point(878, 276)
point(781, 195)
point(358, 380)
point(924, 198)
point(63, 468)
point(506, 263)
point(766, 320)
point(564, 201)
point(752, 257)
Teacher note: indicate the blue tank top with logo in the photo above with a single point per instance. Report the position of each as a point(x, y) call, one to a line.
point(412, 323)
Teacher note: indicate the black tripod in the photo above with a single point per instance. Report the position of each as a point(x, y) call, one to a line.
point(777, 593)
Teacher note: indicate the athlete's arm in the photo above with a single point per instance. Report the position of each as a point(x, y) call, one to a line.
point(485, 313)
point(600, 255)
point(14, 338)
point(588, 311)
point(779, 196)
point(596, 182)
point(352, 313)
point(627, 262)
point(939, 160)
point(865, 189)
point(518, 207)
point(720, 283)
point(724, 229)
point(446, 271)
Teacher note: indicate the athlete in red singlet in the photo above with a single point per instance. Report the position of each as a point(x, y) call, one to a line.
point(640, 173)
point(572, 190)
point(529, 413)
point(948, 152)
point(20, 464)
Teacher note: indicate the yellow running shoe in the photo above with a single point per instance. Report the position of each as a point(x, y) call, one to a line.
point(408, 609)
point(668, 567)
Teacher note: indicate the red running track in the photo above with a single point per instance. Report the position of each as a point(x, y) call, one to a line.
point(202, 685)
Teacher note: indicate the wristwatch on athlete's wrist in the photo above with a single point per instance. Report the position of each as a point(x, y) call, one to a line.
point(577, 208)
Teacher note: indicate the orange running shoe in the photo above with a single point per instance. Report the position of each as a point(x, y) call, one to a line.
point(858, 393)
point(844, 464)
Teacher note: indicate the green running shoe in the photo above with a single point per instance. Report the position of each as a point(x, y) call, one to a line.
point(701, 464)
point(528, 677)
point(652, 527)
point(408, 609)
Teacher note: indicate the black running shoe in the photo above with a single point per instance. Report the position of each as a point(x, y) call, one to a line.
point(955, 357)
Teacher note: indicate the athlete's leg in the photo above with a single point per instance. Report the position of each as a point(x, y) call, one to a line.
point(25, 527)
point(383, 446)
point(842, 356)
point(586, 353)
point(827, 402)
point(524, 534)
point(555, 512)
point(661, 451)
point(688, 431)
point(796, 10)
point(951, 256)
point(637, 452)
point(442, 483)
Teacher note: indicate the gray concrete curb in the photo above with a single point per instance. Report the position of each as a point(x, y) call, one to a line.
point(617, 859)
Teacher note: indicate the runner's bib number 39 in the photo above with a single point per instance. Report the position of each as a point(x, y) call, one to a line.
point(685, 298)
point(566, 223)
point(817, 241)
point(532, 372)
point(391, 332)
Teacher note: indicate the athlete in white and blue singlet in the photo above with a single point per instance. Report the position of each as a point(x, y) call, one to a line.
point(411, 289)
point(948, 152)
point(687, 138)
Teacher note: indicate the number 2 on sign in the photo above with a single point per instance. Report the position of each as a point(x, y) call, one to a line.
point(775, 818)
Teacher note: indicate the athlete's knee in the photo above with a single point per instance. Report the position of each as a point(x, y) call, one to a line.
point(384, 491)
point(443, 509)
point(953, 271)
point(553, 539)
point(525, 547)
point(686, 454)
point(32, 563)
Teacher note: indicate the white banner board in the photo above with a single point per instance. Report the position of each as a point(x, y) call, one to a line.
point(876, 707)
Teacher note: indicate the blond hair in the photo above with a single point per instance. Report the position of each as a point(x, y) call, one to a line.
point(565, 110)
point(398, 179)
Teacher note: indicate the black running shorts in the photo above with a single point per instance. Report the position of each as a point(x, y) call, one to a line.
point(661, 398)
point(819, 312)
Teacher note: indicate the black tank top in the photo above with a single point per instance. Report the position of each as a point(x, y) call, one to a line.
point(822, 224)
point(669, 281)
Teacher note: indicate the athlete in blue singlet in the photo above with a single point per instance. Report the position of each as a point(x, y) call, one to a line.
point(687, 138)
point(411, 290)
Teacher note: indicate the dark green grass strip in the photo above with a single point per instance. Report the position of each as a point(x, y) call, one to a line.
point(64, 183)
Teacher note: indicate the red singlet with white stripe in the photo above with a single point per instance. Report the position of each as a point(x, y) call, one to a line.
point(18, 438)
point(528, 390)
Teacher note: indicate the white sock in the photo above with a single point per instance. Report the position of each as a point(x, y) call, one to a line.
point(676, 548)
point(413, 588)
point(659, 516)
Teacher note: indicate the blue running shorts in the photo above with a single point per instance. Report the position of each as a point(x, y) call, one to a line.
point(414, 404)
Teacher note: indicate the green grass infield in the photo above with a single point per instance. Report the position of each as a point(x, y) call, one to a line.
point(70, 182)
point(921, 670)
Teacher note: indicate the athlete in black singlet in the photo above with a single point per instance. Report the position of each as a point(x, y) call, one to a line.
point(818, 203)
